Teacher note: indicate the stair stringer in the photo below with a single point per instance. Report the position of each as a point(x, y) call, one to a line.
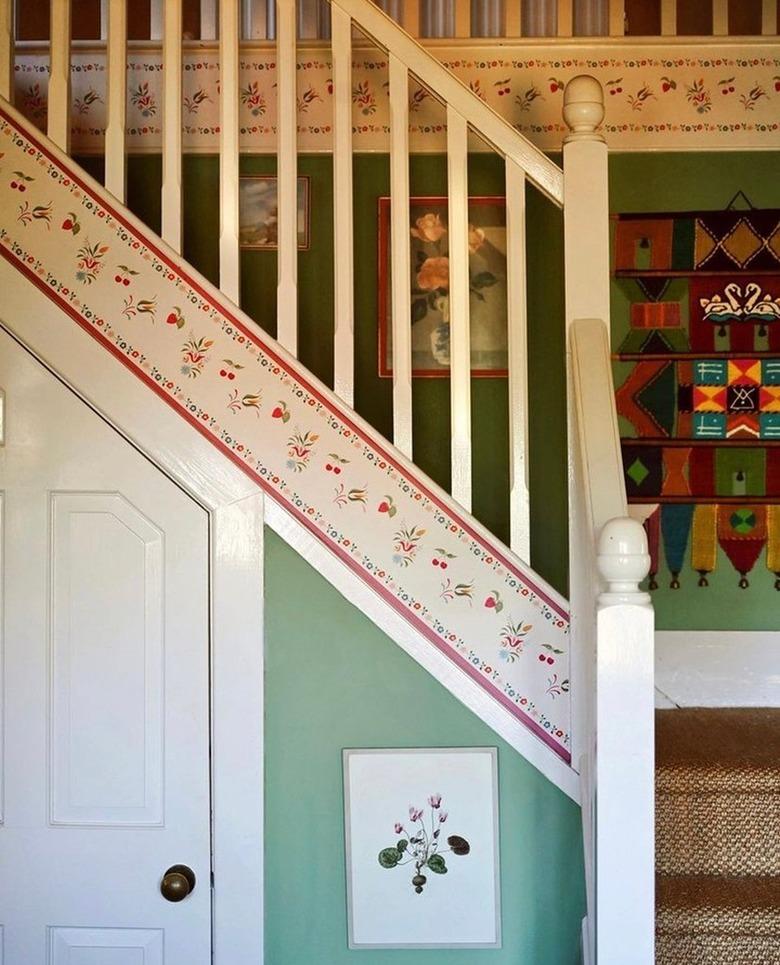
point(116, 277)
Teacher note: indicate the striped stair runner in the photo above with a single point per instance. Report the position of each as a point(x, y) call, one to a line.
point(718, 836)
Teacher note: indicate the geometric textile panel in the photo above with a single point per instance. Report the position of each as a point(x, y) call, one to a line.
point(695, 473)
point(703, 399)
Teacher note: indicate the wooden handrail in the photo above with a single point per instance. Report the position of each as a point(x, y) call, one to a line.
point(596, 422)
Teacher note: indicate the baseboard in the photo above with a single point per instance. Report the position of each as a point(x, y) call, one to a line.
point(706, 668)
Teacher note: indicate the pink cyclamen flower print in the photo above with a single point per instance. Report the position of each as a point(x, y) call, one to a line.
point(422, 847)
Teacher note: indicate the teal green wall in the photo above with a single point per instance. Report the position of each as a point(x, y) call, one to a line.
point(684, 182)
point(333, 680)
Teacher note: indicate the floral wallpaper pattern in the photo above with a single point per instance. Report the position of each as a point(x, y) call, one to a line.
point(656, 96)
point(462, 589)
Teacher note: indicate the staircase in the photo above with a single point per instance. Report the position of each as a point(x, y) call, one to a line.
point(718, 836)
point(568, 685)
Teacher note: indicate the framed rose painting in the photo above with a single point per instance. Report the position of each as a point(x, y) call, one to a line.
point(422, 849)
point(429, 283)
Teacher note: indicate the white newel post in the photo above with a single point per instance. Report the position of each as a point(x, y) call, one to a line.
point(586, 263)
point(612, 646)
point(625, 769)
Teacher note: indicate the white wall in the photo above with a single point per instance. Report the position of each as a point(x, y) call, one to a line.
point(717, 669)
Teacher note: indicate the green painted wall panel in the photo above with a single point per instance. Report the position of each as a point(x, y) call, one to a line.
point(638, 182)
point(333, 680)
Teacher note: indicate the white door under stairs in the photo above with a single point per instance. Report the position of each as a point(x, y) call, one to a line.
point(106, 690)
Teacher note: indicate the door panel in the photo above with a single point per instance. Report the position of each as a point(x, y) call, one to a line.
point(106, 946)
point(107, 607)
point(105, 691)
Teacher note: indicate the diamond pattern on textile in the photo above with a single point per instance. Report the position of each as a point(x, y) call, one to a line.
point(744, 371)
point(769, 398)
point(773, 242)
point(705, 244)
point(742, 243)
point(710, 398)
point(637, 471)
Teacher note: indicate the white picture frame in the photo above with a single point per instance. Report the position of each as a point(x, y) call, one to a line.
point(459, 907)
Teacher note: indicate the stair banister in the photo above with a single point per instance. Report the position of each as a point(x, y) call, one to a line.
point(501, 136)
point(612, 620)
point(171, 199)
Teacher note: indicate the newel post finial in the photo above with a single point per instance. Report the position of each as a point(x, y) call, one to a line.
point(623, 562)
point(583, 108)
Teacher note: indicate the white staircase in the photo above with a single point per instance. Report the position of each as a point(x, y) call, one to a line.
point(376, 531)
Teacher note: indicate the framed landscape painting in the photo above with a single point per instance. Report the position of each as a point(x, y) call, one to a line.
point(422, 851)
point(258, 212)
point(429, 286)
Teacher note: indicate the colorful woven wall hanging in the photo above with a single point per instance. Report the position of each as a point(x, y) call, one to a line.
point(700, 403)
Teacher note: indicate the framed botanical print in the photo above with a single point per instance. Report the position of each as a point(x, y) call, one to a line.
point(429, 285)
point(422, 851)
point(258, 212)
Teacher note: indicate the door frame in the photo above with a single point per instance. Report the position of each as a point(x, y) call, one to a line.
point(235, 507)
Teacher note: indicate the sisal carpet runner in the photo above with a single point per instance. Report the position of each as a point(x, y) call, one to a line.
point(718, 836)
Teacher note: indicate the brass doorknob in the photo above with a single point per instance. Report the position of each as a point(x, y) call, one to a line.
point(178, 881)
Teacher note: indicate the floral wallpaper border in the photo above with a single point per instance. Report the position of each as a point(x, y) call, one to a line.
point(657, 97)
point(481, 607)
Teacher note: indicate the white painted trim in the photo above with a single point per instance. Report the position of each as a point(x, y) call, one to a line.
point(617, 18)
point(625, 791)
point(7, 49)
point(517, 362)
point(512, 18)
point(343, 240)
point(58, 121)
point(400, 256)
point(411, 17)
point(237, 733)
point(287, 177)
point(668, 18)
point(720, 18)
point(459, 307)
point(171, 133)
point(461, 686)
point(116, 100)
point(236, 510)
point(229, 260)
point(565, 18)
point(769, 17)
point(717, 668)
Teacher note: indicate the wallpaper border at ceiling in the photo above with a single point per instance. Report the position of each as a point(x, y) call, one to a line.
point(673, 96)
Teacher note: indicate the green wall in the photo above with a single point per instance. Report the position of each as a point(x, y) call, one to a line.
point(333, 680)
point(638, 182)
point(684, 182)
point(373, 395)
